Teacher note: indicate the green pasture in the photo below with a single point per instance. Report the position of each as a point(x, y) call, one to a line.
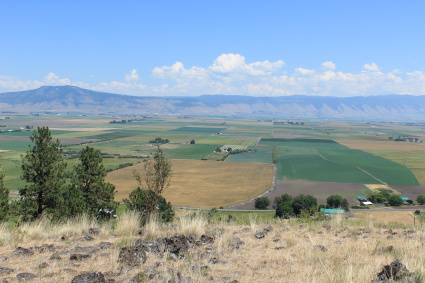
point(383, 169)
point(220, 140)
point(190, 151)
point(17, 145)
point(197, 130)
point(262, 155)
point(316, 143)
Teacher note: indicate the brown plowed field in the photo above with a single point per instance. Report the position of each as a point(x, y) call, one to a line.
point(382, 145)
point(410, 191)
point(320, 190)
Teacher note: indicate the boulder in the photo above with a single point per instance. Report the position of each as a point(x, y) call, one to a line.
point(5, 270)
point(91, 277)
point(79, 256)
point(132, 256)
point(395, 271)
point(56, 257)
point(22, 251)
point(26, 276)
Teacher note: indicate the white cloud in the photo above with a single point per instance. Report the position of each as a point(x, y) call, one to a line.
point(370, 67)
point(329, 65)
point(231, 74)
point(132, 77)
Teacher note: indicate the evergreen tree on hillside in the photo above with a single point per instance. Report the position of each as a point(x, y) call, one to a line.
point(88, 191)
point(44, 171)
point(4, 200)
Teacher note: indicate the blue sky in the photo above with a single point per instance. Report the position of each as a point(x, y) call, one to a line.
point(186, 48)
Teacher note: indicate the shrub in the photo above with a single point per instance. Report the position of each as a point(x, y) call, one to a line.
point(395, 200)
point(306, 203)
point(284, 210)
point(334, 201)
point(417, 212)
point(421, 199)
point(262, 202)
point(281, 199)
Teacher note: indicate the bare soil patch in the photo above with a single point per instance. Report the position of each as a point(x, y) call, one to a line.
point(410, 191)
point(320, 190)
point(203, 183)
point(382, 145)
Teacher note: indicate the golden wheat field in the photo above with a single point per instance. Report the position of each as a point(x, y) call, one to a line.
point(203, 183)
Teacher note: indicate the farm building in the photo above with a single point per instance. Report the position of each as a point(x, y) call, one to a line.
point(332, 212)
point(363, 201)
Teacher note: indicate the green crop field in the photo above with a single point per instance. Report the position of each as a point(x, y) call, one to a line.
point(190, 151)
point(302, 143)
point(263, 154)
point(197, 130)
point(315, 168)
point(383, 169)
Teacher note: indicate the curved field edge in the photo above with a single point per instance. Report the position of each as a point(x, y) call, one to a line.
point(203, 183)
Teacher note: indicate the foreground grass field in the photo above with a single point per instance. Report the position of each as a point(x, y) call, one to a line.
point(336, 250)
point(203, 183)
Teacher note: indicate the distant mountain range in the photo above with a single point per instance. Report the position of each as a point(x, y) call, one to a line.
point(74, 99)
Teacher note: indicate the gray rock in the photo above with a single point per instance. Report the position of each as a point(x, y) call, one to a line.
point(320, 248)
point(22, 251)
point(268, 229)
point(79, 256)
point(88, 238)
point(4, 258)
point(5, 270)
point(26, 276)
point(91, 277)
point(105, 245)
point(132, 256)
point(43, 265)
point(94, 231)
point(337, 242)
point(56, 257)
point(259, 234)
point(395, 271)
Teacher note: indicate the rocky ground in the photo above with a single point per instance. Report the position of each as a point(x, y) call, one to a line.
point(332, 251)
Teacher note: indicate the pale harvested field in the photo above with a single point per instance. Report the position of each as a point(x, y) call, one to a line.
point(4, 150)
point(383, 145)
point(420, 175)
point(56, 123)
point(203, 183)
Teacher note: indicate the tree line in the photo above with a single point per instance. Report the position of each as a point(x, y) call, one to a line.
point(51, 192)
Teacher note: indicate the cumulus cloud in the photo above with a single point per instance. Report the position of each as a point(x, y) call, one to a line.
point(329, 65)
point(232, 74)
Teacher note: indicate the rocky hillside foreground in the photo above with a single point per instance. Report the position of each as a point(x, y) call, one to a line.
point(190, 250)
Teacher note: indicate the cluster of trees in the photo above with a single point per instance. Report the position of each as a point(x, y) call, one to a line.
point(384, 196)
point(159, 141)
point(50, 192)
point(287, 206)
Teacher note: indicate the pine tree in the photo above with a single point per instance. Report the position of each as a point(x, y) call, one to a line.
point(4, 200)
point(44, 170)
point(88, 191)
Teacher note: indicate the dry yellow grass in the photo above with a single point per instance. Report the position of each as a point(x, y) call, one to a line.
point(381, 186)
point(382, 145)
point(203, 183)
point(386, 217)
point(290, 252)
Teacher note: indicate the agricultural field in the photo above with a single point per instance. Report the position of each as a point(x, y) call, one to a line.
point(202, 183)
point(347, 153)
